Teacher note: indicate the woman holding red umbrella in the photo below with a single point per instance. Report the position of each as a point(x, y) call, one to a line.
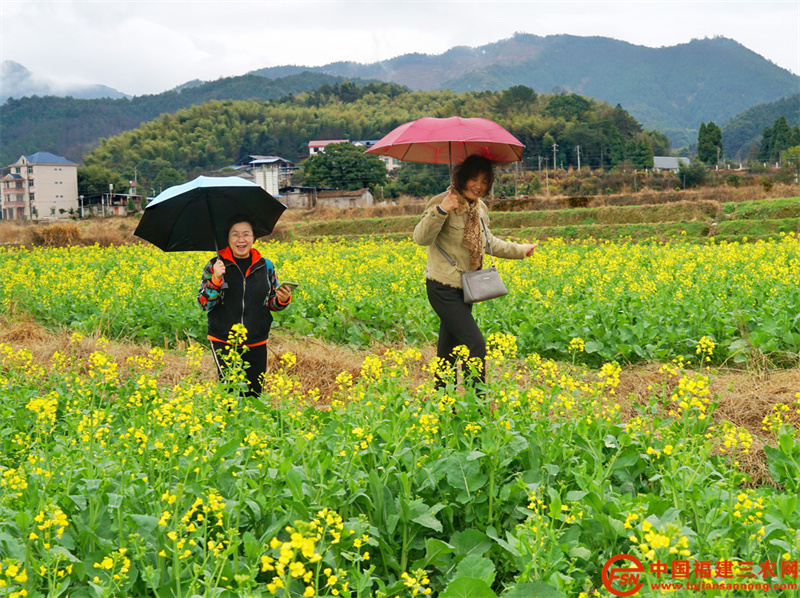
point(451, 224)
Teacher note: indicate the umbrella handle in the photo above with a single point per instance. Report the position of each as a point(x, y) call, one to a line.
point(213, 228)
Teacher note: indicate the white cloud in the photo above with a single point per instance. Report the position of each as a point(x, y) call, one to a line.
point(149, 46)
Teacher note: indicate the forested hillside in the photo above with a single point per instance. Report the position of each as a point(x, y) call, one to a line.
point(671, 89)
point(743, 131)
point(70, 127)
point(214, 135)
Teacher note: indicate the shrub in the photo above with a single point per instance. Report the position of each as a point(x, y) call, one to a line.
point(57, 235)
point(578, 202)
point(786, 174)
point(692, 175)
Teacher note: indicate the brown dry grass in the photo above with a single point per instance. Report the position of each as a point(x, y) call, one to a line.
point(118, 230)
point(720, 194)
point(105, 232)
point(744, 397)
point(402, 206)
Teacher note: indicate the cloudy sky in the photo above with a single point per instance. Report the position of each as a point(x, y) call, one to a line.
point(148, 46)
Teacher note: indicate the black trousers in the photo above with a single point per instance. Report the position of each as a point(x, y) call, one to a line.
point(255, 363)
point(456, 327)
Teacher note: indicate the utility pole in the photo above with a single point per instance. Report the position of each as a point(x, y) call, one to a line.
point(516, 170)
point(540, 170)
point(555, 162)
point(578, 151)
point(546, 179)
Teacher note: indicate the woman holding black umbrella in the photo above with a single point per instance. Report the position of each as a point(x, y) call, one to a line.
point(239, 286)
point(452, 224)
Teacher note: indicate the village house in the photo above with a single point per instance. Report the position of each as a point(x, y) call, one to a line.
point(307, 198)
point(103, 205)
point(661, 163)
point(318, 145)
point(39, 186)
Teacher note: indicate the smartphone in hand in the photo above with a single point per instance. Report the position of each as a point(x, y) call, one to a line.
point(289, 285)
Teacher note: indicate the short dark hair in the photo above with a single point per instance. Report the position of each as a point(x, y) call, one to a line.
point(234, 220)
point(472, 167)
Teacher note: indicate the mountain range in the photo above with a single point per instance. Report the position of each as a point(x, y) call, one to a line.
point(18, 81)
point(670, 89)
point(71, 127)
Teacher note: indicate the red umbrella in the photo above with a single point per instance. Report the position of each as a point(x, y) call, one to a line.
point(449, 141)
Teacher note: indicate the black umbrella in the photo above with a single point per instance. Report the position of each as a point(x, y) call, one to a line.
point(193, 216)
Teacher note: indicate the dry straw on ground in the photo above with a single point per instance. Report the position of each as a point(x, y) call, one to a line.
point(744, 398)
point(105, 232)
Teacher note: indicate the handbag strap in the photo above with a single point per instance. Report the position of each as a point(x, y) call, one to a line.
point(488, 241)
point(449, 259)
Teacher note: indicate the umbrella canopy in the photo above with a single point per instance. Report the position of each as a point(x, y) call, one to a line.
point(193, 216)
point(449, 141)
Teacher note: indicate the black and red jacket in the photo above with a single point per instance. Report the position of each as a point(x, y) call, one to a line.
point(247, 298)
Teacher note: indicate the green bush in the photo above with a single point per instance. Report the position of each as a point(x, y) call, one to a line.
point(733, 180)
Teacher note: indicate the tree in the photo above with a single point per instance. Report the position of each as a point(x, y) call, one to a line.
point(659, 142)
point(547, 148)
point(709, 143)
point(644, 154)
point(776, 139)
point(419, 180)
point(569, 106)
point(692, 174)
point(624, 122)
point(344, 166)
point(93, 180)
point(169, 177)
point(516, 97)
point(791, 157)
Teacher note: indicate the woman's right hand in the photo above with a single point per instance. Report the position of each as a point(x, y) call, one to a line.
point(218, 270)
point(450, 202)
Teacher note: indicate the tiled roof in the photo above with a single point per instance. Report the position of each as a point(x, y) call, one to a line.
point(668, 162)
point(324, 142)
point(47, 158)
point(341, 193)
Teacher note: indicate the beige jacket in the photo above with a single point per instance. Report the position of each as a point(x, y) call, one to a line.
point(448, 231)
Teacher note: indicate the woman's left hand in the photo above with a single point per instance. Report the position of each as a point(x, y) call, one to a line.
point(283, 294)
point(529, 248)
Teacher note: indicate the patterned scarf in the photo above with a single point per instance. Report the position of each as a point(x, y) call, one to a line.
point(472, 234)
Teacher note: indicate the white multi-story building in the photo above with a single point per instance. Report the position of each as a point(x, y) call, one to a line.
point(268, 172)
point(39, 186)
